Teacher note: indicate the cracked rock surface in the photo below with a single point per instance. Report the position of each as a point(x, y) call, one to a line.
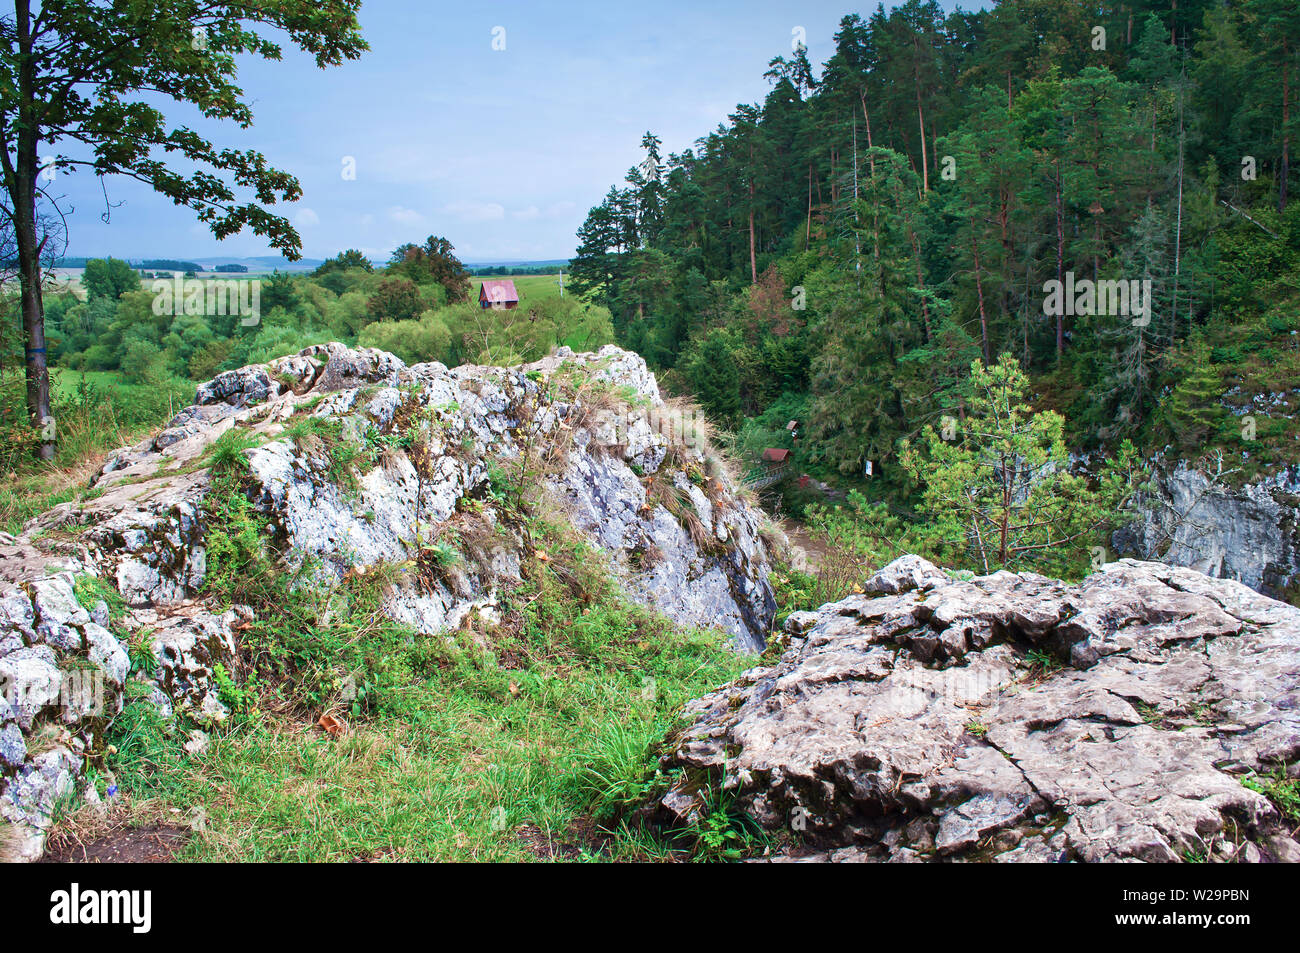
point(925, 720)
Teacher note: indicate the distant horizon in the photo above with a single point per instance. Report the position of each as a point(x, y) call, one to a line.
point(305, 261)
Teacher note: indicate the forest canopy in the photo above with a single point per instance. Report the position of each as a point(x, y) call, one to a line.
point(843, 249)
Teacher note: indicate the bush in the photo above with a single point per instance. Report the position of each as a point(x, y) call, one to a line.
point(396, 299)
point(413, 341)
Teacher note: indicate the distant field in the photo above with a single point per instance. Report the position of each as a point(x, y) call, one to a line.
point(528, 286)
point(133, 403)
point(69, 279)
point(68, 379)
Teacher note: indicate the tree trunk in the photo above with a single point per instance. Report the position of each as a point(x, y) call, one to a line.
point(753, 260)
point(979, 291)
point(866, 117)
point(920, 113)
point(1004, 527)
point(23, 194)
point(871, 162)
point(1286, 118)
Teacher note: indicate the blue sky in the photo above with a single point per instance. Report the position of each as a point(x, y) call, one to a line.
point(501, 151)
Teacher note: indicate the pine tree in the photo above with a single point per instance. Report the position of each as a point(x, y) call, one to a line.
point(999, 493)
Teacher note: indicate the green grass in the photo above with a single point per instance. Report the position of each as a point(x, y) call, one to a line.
point(96, 412)
point(528, 286)
point(450, 772)
point(1284, 792)
point(455, 742)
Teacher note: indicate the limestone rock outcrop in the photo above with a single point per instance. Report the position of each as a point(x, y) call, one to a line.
point(1249, 533)
point(1137, 716)
point(416, 456)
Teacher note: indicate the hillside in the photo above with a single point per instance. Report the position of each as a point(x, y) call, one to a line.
point(345, 608)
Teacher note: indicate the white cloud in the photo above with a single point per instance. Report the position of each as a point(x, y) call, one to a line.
point(306, 218)
point(466, 211)
point(405, 216)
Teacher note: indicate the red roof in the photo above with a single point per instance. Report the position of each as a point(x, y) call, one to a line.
point(502, 290)
point(774, 455)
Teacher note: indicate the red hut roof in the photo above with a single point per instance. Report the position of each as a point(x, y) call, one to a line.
point(774, 455)
point(502, 290)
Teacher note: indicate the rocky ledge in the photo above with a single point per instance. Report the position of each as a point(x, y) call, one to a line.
point(428, 444)
point(353, 460)
point(1138, 716)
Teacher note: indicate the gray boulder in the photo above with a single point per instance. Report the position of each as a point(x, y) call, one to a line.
point(925, 723)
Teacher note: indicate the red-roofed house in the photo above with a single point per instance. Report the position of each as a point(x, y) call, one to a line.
point(500, 295)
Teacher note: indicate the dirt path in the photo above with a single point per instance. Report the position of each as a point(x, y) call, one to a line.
point(806, 553)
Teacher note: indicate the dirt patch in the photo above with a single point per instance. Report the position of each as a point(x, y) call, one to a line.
point(381, 855)
point(582, 834)
point(152, 844)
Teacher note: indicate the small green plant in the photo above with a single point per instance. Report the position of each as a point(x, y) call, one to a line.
point(719, 838)
point(442, 554)
point(239, 567)
point(226, 454)
point(233, 696)
point(146, 748)
point(1150, 714)
point(723, 832)
point(615, 770)
point(977, 728)
point(1284, 792)
point(91, 590)
point(1042, 662)
point(139, 648)
point(376, 444)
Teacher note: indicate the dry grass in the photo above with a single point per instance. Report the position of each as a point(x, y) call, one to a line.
point(662, 491)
